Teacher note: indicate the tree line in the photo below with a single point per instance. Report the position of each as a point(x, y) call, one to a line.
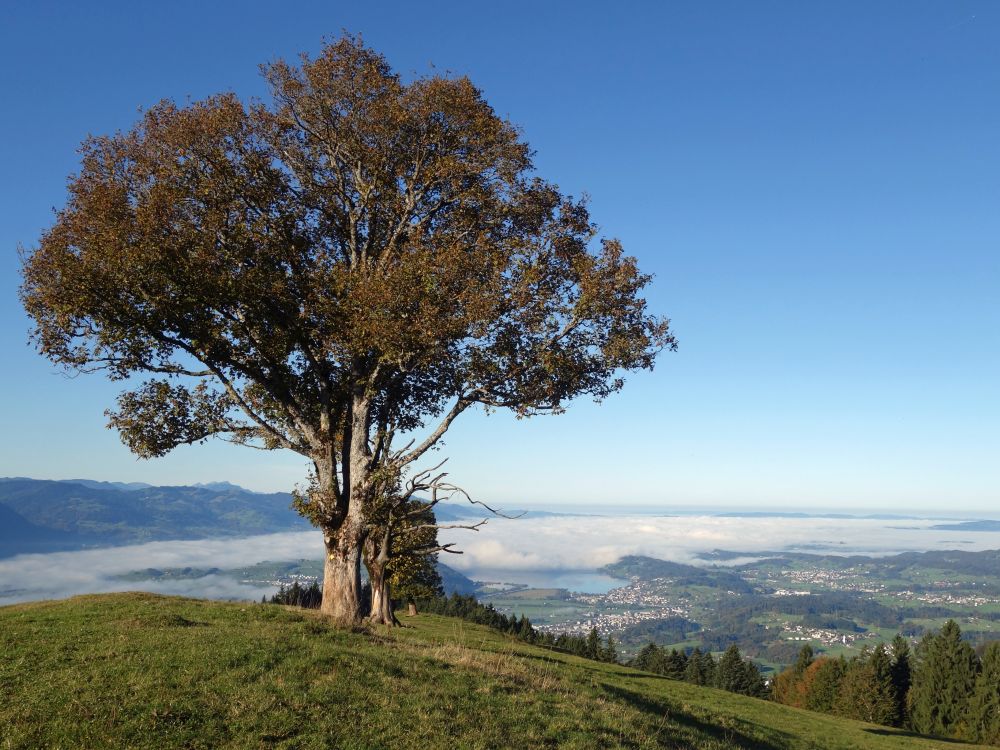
point(730, 672)
point(943, 687)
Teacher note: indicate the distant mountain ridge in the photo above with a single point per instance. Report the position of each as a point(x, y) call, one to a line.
point(225, 486)
point(45, 515)
point(41, 515)
point(96, 485)
point(984, 525)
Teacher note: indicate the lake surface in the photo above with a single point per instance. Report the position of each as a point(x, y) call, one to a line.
point(581, 581)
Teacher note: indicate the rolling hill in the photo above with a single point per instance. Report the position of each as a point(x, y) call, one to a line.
point(651, 568)
point(144, 671)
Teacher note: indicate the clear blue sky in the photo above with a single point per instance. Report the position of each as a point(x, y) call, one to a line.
point(815, 185)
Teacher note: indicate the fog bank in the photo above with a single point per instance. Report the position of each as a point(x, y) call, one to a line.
point(564, 543)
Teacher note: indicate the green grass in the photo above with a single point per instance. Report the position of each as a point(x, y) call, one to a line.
point(144, 671)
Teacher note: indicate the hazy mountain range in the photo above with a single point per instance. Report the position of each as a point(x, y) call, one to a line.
point(46, 516)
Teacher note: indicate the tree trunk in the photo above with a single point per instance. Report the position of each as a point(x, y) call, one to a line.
point(342, 572)
point(345, 540)
point(376, 561)
point(382, 611)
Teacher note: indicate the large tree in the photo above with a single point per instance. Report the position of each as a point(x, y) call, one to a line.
point(356, 259)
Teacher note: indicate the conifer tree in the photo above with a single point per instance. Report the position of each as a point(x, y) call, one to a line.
point(592, 649)
point(610, 652)
point(804, 660)
point(650, 659)
point(524, 628)
point(730, 674)
point(738, 675)
point(675, 664)
point(918, 658)
point(707, 668)
point(700, 668)
point(753, 681)
point(901, 677)
point(943, 680)
point(692, 672)
point(886, 700)
point(982, 720)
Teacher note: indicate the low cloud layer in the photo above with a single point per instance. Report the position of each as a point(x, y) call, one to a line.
point(588, 542)
point(569, 543)
point(61, 574)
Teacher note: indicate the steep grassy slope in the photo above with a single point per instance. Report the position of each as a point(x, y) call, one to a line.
point(137, 670)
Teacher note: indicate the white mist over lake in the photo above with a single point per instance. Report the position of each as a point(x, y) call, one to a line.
point(557, 551)
point(60, 574)
point(589, 542)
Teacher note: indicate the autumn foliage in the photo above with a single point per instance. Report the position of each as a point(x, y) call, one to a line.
point(357, 259)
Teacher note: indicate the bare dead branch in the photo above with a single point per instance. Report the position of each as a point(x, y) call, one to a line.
point(461, 405)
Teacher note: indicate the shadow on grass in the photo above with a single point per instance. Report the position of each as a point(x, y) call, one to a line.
point(730, 735)
point(544, 658)
point(604, 669)
point(893, 732)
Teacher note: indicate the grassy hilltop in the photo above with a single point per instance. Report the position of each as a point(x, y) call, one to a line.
point(138, 670)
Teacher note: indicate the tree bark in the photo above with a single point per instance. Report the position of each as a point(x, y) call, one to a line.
point(382, 612)
point(376, 561)
point(342, 573)
point(345, 536)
